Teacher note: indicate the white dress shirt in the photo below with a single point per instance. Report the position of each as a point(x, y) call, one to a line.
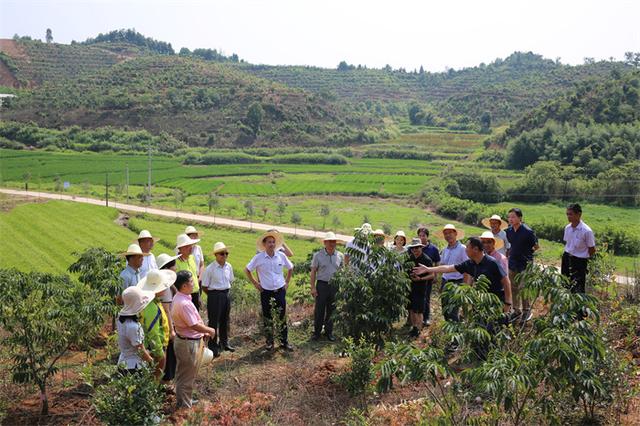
point(579, 240)
point(218, 277)
point(453, 256)
point(270, 269)
point(148, 263)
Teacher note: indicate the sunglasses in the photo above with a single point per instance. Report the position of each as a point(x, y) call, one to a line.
point(225, 253)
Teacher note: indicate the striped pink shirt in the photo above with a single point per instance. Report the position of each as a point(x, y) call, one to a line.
point(185, 315)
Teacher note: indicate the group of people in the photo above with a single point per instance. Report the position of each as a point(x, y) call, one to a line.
point(160, 323)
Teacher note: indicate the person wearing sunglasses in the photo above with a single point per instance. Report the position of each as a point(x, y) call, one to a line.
point(216, 282)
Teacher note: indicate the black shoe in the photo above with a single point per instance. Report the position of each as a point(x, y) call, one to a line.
point(426, 322)
point(228, 348)
point(216, 351)
point(414, 332)
point(315, 337)
point(287, 347)
point(331, 337)
point(270, 346)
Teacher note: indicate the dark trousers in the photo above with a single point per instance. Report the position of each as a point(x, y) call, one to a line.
point(218, 310)
point(170, 363)
point(195, 298)
point(280, 302)
point(450, 313)
point(325, 305)
point(427, 302)
point(575, 268)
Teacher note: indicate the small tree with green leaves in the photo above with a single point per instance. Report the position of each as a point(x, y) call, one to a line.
point(296, 220)
point(212, 203)
point(324, 212)
point(178, 197)
point(250, 211)
point(44, 316)
point(281, 208)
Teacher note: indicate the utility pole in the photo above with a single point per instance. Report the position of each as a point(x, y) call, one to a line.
point(127, 180)
point(149, 176)
point(106, 189)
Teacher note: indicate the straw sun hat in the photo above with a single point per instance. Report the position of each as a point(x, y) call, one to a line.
point(146, 234)
point(135, 300)
point(192, 230)
point(329, 236)
point(459, 232)
point(134, 250)
point(272, 233)
point(157, 280)
point(488, 235)
point(486, 222)
point(184, 240)
point(219, 246)
point(164, 258)
point(365, 227)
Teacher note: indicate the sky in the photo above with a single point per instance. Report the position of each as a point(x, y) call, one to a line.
point(435, 34)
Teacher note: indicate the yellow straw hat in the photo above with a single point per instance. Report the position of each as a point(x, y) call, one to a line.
point(486, 222)
point(488, 235)
point(448, 226)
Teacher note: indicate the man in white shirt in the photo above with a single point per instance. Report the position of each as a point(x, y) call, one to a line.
point(146, 242)
point(272, 285)
point(453, 254)
point(216, 282)
point(580, 246)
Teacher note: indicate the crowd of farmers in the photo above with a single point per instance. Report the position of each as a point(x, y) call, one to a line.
point(160, 325)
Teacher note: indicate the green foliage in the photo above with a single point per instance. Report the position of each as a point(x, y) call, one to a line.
point(133, 37)
point(44, 316)
point(255, 114)
point(372, 291)
point(244, 158)
point(474, 186)
point(357, 379)
point(132, 399)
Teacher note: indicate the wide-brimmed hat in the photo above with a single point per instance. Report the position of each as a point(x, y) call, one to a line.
point(489, 236)
point(379, 232)
point(400, 234)
point(272, 233)
point(219, 246)
point(184, 240)
point(365, 227)
point(192, 230)
point(135, 300)
point(146, 234)
point(459, 232)
point(486, 222)
point(164, 258)
point(414, 243)
point(204, 356)
point(329, 236)
point(157, 280)
point(134, 250)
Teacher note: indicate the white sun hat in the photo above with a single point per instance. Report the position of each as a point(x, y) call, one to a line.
point(135, 300)
point(184, 240)
point(164, 258)
point(192, 230)
point(448, 226)
point(488, 235)
point(366, 228)
point(157, 280)
point(204, 356)
point(487, 221)
point(329, 236)
point(146, 234)
point(272, 233)
point(219, 246)
point(134, 250)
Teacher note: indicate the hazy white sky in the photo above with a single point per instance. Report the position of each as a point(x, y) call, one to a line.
point(402, 33)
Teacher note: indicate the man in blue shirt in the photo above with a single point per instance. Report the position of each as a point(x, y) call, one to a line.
point(523, 244)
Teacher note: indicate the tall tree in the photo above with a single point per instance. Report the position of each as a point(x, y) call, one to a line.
point(49, 36)
point(255, 114)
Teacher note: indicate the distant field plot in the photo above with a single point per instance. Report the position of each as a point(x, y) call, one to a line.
point(444, 142)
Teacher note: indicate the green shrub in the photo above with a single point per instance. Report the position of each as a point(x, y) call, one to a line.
point(357, 379)
point(129, 399)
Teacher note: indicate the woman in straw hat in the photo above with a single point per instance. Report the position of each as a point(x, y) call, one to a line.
point(146, 242)
point(167, 262)
point(189, 332)
point(399, 242)
point(216, 282)
point(497, 226)
point(156, 324)
point(492, 246)
point(272, 286)
point(130, 275)
point(186, 261)
point(453, 253)
point(133, 354)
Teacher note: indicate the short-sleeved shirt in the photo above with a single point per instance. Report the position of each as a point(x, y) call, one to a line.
point(185, 316)
point(217, 277)
point(148, 263)
point(153, 331)
point(453, 256)
point(423, 259)
point(130, 336)
point(326, 264)
point(522, 242)
point(503, 236)
point(488, 267)
point(129, 277)
point(431, 250)
point(189, 265)
point(502, 260)
point(270, 269)
point(198, 256)
point(578, 240)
